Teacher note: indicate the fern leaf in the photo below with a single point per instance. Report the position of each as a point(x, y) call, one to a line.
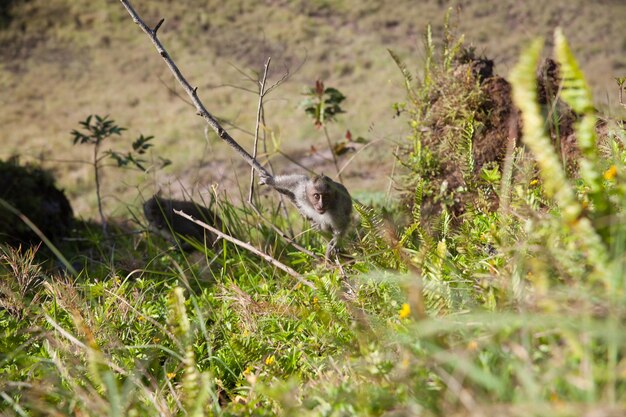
point(430, 52)
point(468, 150)
point(555, 183)
point(408, 77)
point(575, 91)
point(417, 202)
point(577, 94)
point(524, 86)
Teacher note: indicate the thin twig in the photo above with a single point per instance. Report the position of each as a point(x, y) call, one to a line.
point(285, 236)
point(174, 92)
point(356, 153)
point(249, 247)
point(281, 204)
point(293, 161)
point(332, 152)
point(284, 78)
point(391, 176)
point(96, 166)
point(256, 128)
point(191, 91)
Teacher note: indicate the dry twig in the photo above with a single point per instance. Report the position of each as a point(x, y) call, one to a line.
point(250, 248)
point(285, 236)
point(258, 121)
point(191, 91)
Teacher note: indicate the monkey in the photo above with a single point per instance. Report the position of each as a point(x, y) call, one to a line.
point(326, 203)
point(160, 215)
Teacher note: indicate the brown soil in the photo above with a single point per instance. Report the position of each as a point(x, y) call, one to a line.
point(503, 118)
point(500, 127)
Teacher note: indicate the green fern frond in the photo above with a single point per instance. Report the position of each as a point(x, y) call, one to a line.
point(197, 405)
point(405, 238)
point(179, 323)
point(524, 86)
point(437, 295)
point(376, 241)
point(416, 212)
point(554, 180)
point(467, 145)
point(443, 225)
point(329, 300)
point(408, 77)
point(577, 94)
point(370, 220)
point(450, 47)
point(430, 52)
point(177, 313)
point(575, 91)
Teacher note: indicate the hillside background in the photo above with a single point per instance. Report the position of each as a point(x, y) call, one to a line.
point(61, 60)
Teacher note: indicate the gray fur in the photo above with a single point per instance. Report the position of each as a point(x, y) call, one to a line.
point(336, 219)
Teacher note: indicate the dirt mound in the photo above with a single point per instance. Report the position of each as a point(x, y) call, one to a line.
point(474, 95)
point(502, 119)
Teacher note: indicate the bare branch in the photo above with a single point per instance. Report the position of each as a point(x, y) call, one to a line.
point(293, 161)
point(192, 92)
point(332, 152)
point(174, 92)
point(349, 161)
point(236, 87)
point(156, 28)
point(250, 248)
point(284, 78)
point(258, 121)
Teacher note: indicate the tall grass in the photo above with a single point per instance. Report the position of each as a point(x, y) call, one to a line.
point(488, 312)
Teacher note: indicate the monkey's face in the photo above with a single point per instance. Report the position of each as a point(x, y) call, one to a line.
point(321, 198)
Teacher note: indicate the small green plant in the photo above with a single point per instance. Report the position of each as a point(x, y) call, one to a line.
point(95, 130)
point(323, 104)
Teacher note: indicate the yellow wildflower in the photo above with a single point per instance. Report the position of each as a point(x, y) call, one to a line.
point(270, 360)
point(156, 340)
point(534, 182)
point(171, 375)
point(405, 311)
point(610, 173)
point(554, 397)
point(316, 302)
point(247, 371)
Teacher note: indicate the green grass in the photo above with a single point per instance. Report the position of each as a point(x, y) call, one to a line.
point(510, 310)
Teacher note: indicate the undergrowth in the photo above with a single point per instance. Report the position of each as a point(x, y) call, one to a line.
point(512, 309)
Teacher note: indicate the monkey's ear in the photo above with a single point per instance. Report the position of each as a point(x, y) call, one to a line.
point(317, 177)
